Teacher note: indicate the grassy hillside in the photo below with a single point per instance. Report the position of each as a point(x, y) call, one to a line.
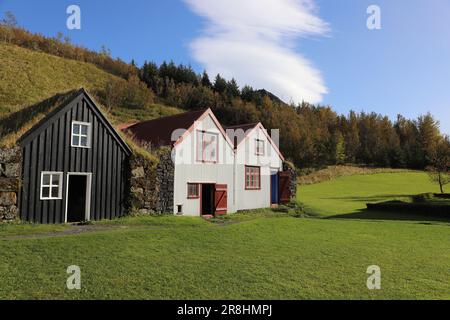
point(347, 196)
point(27, 77)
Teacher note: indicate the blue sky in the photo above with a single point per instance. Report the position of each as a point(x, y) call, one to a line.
point(325, 53)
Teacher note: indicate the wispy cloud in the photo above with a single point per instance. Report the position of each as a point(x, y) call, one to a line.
point(253, 41)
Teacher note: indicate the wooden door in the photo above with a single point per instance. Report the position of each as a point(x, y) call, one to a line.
point(284, 190)
point(220, 199)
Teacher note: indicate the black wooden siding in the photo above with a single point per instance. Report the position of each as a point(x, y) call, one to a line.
point(49, 149)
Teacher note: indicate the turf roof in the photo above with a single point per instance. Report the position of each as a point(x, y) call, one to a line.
point(14, 125)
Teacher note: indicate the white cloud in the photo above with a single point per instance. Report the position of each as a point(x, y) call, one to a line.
point(251, 40)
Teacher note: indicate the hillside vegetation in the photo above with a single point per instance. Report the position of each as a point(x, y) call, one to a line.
point(311, 135)
point(28, 77)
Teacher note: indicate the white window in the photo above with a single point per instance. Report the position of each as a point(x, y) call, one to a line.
point(81, 134)
point(51, 185)
point(259, 147)
point(207, 146)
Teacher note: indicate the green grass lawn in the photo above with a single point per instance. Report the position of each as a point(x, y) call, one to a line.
point(261, 255)
point(347, 196)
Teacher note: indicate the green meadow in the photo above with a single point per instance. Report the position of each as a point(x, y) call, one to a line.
point(253, 255)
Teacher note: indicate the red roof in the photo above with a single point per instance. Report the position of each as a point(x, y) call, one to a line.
point(159, 131)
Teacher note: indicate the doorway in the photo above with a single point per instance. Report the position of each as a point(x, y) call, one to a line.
point(78, 197)
point(274, 187)
point(207, 199)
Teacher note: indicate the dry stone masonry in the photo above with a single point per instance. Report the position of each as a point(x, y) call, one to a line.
point(165, 175)
point(152, 183)
point(289, 167)
point(10, 170)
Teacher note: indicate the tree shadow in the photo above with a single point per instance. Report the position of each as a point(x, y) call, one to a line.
point(366, 214)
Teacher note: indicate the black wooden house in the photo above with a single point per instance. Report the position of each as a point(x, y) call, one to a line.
point(74, 165)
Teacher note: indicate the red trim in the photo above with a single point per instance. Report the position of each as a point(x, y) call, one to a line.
point(259, 178)
point(208, 112)
point(222, 190)
point(216, 187)
point(203, 151)
point(259, 125)
point(198, 191)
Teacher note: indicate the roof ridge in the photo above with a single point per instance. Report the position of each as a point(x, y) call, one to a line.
point(201, 111)
point(254, 124)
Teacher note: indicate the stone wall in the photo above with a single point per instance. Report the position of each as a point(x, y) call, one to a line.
point(142, 184)
point(165, 175)
point(10, 170)
point(289, 167)
point(151, 183)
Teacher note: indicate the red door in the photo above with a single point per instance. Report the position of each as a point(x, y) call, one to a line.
point(284, 191)
point(220, 199)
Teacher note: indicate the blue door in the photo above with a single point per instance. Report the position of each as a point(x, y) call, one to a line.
point(274, 187)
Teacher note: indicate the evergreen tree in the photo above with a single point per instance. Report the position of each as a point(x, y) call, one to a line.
point(205, 80)
point(340, 148)
point(233, 89)
point(220, 84)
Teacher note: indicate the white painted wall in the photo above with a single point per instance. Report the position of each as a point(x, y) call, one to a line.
point(189, 170)
point(270, 161)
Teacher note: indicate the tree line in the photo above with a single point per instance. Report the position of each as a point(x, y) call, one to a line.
point(310, 135)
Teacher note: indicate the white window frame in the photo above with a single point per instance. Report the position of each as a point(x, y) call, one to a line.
point(88, 193)
point(79, 135)
point(51, 185)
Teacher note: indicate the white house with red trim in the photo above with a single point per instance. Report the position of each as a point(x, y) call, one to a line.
point(204, 169)
point(258, 164)
point(216, 171)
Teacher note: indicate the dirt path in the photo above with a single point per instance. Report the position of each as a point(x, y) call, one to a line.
point(70, 230)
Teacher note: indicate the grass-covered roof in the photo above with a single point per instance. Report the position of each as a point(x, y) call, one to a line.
point(16, 124)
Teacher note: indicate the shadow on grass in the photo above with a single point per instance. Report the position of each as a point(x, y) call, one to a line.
point(366, 214)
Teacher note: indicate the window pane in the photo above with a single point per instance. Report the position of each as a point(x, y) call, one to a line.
point(193, 190)
point(199, 146)
point(76, 129)
point(45, 192)
point(83, 141)
point(76, 140)
point(46, 179)
point(55, 179)
point(55, 192)
point(84, 130)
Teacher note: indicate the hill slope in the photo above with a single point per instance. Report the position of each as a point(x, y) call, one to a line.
point(27, 77)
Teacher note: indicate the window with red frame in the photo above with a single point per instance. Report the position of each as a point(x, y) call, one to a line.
point(259, 147)
point(193, 190)
point(207, 146)
point(252, 178)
